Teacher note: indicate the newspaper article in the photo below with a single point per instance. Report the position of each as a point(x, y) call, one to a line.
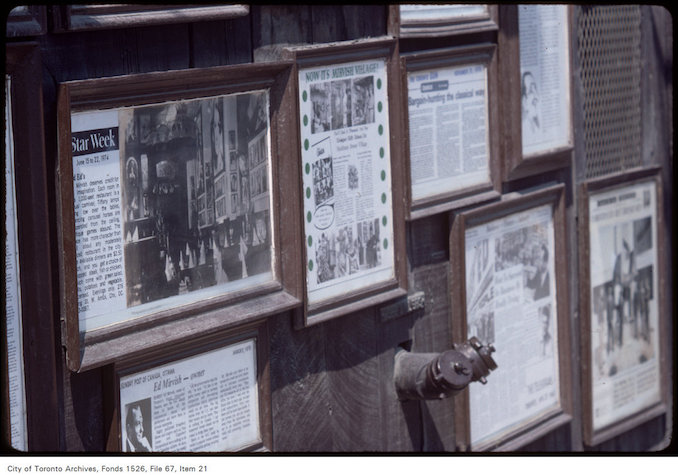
point(511, 303)
point(172, 204)
point(14, 331)
point(346, 177)
point(442, 12)
point(204, 403)
point(447, 109)
point(545, 77)
point(624, 312)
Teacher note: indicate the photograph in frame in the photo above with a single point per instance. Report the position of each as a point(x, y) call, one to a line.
point(511, 303)
point(625, 354)
point(172, 204)
point(346, 177)
point(208, 402)
point(544, 77)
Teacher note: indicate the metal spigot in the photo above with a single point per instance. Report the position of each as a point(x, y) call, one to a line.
point(441, 375)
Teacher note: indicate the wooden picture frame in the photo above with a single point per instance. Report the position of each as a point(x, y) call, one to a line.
point(629, 343)
point(227, 374)
point(523, 154)
point(96, 17)
point(367, 207)
point(34, 334)
point(421, 21)
point(463, 71)
point(197, 125)
point(26, 20)
point(493, 276)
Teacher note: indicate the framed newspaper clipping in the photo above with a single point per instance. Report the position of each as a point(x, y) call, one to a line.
point(450, 103)
point(209, 395)
point(542, 116)
point(348, 161)
point(509, 288)
point(431, 20)
point(30, 410)
point(170, 207)
point(624, 354)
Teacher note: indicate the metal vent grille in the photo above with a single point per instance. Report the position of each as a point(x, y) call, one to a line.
point(609, 54)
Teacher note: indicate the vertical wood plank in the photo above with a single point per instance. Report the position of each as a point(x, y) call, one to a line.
point(400, 420)
point(299, 388)
point(276, 26)
point(353, 377)
point(83, 411)
point(432, 334)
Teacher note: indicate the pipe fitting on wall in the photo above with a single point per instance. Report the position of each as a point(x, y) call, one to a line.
point(441, 375)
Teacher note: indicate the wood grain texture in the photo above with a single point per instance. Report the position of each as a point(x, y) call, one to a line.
point(401, 429)
point(353, 377)
point(299, 388)
point(431, 333)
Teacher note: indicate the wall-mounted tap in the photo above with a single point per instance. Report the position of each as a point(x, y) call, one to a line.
point(441, 375)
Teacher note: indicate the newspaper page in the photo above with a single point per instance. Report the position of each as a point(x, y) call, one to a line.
point(346, 177)
point(449, 139)
point(545, 77)
point(511, 303)
point(172, 204)
point(441, 12)
point(624, 312)
point(15, 353)
point(204, 403)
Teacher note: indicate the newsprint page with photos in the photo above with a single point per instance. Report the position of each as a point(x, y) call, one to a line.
point(511, 303)
point(624, 312)
point(447, 109)
point(346, 177)
point(172, 204)
point(545, 76)
point(205, 403)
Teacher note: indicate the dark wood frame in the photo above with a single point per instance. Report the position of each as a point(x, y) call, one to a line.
point(593, 437)
point(532, 429)
point(336, 53)
point(24, 66)
point(161, 356)
point(516, 164)
point(102, 346)
point(95, 17)
point(485, 54)
point(26, 20)
point(434, 28)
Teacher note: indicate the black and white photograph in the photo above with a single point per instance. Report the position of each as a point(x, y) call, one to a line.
point(137, 432)
point(530, 104)
point(348, 251)
point(621, 305)
point(341, 104)
point(526, 247)
point(195, 216)
point(546, 327)
point(323, 180)
point(321, 108)
point(363, 100)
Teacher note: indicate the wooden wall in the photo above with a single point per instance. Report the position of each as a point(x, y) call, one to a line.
point(331, 384)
